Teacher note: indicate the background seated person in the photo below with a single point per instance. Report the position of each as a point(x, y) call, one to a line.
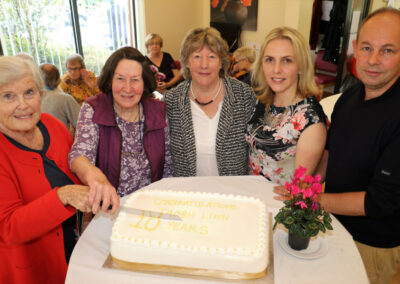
point(122, 137)
point(38, 194)
point(55, 101)
point(288, 126)
point(78, 82)
point(163, 61)
point(243, 59)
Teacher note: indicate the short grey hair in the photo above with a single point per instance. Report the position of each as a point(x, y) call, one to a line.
point(75, 58)
point(14, 68)
point(244, 52)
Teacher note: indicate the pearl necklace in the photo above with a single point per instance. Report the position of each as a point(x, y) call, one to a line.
point(209, 102)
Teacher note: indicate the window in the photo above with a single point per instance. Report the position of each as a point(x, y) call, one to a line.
point(51, 30)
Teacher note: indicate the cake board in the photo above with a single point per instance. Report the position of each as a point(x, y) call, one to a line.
point(183, 272)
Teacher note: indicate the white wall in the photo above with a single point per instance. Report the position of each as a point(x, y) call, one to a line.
point(172, 19)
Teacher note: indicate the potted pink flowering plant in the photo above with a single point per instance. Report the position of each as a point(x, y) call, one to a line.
point(302, 215)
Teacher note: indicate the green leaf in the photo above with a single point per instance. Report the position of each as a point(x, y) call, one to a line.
point(327, 217)
point(314, 233)
point(321, 227)
point(298, 214)
point(313, 226)
point(309, 216)
point(289, 220)
point(303, 233)
point(328, 226)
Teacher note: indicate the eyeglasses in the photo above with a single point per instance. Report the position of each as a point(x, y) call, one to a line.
point(74, 69)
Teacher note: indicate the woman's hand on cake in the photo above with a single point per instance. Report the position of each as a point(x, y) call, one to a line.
point(103, 196)
point(282, 193)
point(75, 195)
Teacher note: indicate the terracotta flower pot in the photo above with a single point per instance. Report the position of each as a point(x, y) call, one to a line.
point(298, 242)
point(236, 13)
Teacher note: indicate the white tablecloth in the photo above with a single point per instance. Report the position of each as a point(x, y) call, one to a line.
point(341, 264)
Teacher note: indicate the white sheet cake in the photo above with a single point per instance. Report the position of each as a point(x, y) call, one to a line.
point(218, 232)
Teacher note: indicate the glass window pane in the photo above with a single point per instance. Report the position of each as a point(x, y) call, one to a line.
point(105, 27)
point(41, 28)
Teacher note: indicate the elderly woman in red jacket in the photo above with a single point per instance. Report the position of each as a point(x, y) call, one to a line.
point(38, 195)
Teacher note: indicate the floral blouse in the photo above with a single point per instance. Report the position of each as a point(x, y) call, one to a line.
point(135, 168)
point(272, 136)
point(78, 89)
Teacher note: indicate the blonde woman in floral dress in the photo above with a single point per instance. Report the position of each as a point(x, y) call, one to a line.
point(288, 125)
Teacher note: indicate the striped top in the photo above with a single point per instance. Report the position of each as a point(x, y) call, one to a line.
point(231, 147)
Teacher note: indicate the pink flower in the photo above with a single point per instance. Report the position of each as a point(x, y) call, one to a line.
point(317, 178)
point(299, 172)
point(315, 206)
point(159, 76)
point(255, 167)
point(308, 179)
point(153, 68)
point(316, 188)
point(298, 121)
point(307, 193)
point(302, 204)
point(295, 190)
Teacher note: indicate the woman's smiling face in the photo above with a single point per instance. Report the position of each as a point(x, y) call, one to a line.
point(19, 106)
point(204, 66)
point(280, 67)
point(127, 84)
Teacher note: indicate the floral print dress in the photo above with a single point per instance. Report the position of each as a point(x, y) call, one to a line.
point(272, 142)
point(79, 89)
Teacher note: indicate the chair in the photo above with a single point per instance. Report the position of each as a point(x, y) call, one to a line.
point(328, 104)
point(325, 72)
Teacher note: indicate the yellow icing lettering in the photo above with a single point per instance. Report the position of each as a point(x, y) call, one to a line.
point(195, 203)
point(203, 230)
point(149, 224)
point(187, 228)
point(184, 214)
point(215, 216)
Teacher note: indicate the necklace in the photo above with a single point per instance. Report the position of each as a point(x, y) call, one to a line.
point(209, 102)
point(273, 119)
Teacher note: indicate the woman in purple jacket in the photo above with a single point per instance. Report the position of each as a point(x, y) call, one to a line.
point(122, 138)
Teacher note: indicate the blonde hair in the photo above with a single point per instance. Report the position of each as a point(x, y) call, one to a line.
point(150, 38)
point(244, 52)
point(306, 85)
point(198, 38)
point(14, 68)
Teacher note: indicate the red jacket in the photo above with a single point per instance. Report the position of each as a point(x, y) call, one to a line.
point(31, 235)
